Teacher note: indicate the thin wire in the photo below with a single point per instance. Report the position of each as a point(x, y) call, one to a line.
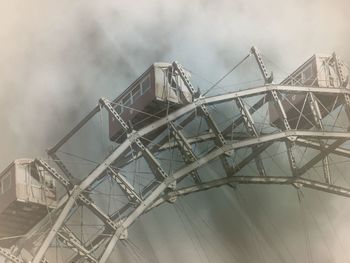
point(135, 253)
point(330, 254)
point(190, 236)
point(275, 229)
point(249, 225)
point(132, 108)
point(303, 217)
point(229, 72)
point(345, 252)
point(211, 228)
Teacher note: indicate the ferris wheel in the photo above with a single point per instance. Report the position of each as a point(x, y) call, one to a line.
point(161, 139)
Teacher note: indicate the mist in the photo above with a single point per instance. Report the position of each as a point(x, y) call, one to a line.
point(59, 58)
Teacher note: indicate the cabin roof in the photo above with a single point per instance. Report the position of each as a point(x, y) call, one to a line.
point(307, 62)
point(17, 161)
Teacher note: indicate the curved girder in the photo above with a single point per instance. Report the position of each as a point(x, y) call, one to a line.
point(163, 187)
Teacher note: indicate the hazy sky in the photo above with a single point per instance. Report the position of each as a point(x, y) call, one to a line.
point(58, 57)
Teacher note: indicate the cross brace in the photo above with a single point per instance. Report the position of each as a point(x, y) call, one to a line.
point(250, 126)
point(185, 149)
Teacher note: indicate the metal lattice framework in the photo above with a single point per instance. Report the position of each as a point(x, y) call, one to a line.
point(237, 145)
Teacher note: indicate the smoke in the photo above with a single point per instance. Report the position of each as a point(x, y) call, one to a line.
point(58, 58)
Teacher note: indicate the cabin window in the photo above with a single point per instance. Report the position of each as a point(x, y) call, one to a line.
point(146, 84)
point(136, 92)
point(6, 183)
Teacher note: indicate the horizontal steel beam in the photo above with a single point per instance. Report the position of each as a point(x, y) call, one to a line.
point(264, 89)
point(324, 152)
point(316, 145)
point(267, 180)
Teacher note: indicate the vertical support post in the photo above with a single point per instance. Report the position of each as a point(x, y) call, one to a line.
point(219, 141)
point(315, 109)
point(250, 126)
point(185, 149)
point(289, 144)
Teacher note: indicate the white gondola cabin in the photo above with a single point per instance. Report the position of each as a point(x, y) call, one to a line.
point(159, 90)
point(319, 71)
point(26, 196)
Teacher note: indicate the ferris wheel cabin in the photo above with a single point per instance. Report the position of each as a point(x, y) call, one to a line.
point(324, 71)
point(27, 194)
point(158, 91)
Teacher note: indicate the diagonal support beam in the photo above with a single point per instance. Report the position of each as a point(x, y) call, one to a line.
point(160, 145)
point(149, 157)
point(220, 140)
point(82, 197)
point(315, 109)
point(184, 77)
point(9, 256)
point(66, 184)
point(88, 117)
point(316, 145)
point(152, 162)
point(70, 240)
point(97, 211)
point(268, 78)
point(69, 200)
point(240, 119)
point(125, 186)
point(61, 165)
point(185, 149)
point(250, 126)
point(319, 156)
point(290, 145)
point(256, 152)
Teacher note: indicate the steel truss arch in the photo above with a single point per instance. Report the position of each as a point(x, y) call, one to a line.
point(243, 129)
